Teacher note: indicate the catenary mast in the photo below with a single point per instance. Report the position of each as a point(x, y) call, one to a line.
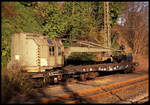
point(107, 25)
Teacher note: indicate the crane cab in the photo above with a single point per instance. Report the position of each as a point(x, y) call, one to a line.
point(36, 53)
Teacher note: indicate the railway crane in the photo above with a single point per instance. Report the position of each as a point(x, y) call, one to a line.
point(43, 59)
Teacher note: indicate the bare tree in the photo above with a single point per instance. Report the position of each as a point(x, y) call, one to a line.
point(135, 27)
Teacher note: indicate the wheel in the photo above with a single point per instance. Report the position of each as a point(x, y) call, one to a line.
point(93, 75)
point(70, 80)
point(132, 70)
point(129, 70)
point(55, 80)
point(126, 71)
point(82, 77)
point(39, 82)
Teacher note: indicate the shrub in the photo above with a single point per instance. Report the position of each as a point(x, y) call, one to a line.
point(14, 83)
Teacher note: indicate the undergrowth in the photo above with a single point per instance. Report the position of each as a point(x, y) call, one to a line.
point(13, 83)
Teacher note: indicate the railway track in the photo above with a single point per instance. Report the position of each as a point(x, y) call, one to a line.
point(97, 92)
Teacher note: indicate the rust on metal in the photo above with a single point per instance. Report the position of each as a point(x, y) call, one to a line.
point(87, 91)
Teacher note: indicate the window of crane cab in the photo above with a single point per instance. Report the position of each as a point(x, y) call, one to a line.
point(50, 42)
point(59, 51)
point(51, 51)
point(59, 47)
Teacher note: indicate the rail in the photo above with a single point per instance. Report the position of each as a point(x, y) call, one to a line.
point(109, 89)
